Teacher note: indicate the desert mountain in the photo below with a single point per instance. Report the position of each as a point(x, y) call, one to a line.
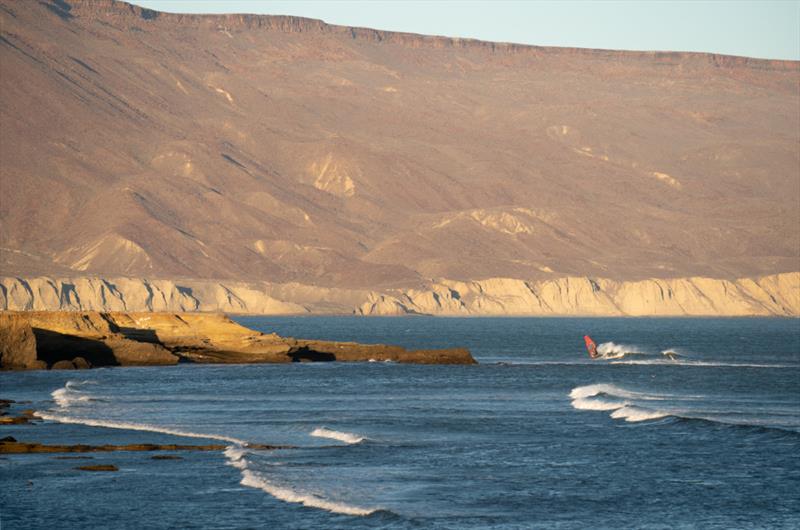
point(135, 143)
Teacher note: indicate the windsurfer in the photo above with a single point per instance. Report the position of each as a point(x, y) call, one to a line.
point(591, 347)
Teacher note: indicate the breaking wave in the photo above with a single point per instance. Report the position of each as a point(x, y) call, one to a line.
point(70, 395)
point(346, 437)
point(633, 414)
point(589, 391)
point(129, 426)
point(235, 454)
point(612, 350)
point(623, 404)
point(254, 480)
point(634, 407)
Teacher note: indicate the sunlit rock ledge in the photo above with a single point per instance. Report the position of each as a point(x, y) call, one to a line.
point(87, 339)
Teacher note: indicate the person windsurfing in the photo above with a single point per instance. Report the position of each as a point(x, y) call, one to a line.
point(591, 347)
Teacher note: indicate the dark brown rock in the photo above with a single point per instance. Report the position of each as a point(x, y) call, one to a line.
point(63, 365)
point(34, 447)
point(81, 363)
point(14, 420)
point(98, 467)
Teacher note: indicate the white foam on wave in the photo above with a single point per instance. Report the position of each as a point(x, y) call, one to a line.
point(612, 350)
point(711, 364)
point(235, 454)
point(632, 413)
point(626, 405)
point(611, 390)
point(69, 394)
point(65, 398)
point(72, 384)
point(253, 480)
point(597, 404)
point(111, 424)
point(346, 437)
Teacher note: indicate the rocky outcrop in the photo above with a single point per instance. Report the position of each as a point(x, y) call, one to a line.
point(69, 340)
point(11, 446)
point(17, 344)
point(774, 295)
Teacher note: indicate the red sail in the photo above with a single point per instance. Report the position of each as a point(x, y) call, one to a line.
point(591, 347)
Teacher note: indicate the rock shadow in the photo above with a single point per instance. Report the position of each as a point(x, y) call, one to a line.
point(140, 335)
point(52, 347)
point(306, 354)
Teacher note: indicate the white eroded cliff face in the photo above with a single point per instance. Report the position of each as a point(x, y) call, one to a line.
point(775, 295)
point(132, 294)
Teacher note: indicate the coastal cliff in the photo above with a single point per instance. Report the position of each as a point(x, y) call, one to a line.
point(87, 339)
point(774, 295)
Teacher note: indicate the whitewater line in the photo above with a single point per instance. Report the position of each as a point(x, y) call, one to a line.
point(136, 427)
point(235, 454)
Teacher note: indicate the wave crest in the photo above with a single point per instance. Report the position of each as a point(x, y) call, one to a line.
point(69, 395)
point(111, 424)
point(253, 480)
point(612, 350)
point(346, 437)
point(624, 404)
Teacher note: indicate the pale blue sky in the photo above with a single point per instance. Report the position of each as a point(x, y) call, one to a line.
point(768, 29)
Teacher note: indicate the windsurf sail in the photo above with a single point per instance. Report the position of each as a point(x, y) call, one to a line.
point(591, 347)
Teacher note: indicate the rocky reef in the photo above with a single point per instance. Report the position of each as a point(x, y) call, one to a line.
point(85, 339)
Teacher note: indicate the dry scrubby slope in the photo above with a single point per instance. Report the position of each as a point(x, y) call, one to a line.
point(137, 143)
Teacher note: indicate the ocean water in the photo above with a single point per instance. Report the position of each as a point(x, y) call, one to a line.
point(537, 435)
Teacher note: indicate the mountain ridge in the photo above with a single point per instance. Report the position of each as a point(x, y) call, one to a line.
point(144, 145)
point(291, 23)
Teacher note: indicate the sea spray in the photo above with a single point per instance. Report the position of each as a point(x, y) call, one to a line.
point(612, 350)
point(69, 394)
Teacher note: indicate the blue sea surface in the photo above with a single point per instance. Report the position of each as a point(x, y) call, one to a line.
point(536, 435)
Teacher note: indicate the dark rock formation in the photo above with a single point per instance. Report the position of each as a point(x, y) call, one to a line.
point(14, 447)
point(98, 467)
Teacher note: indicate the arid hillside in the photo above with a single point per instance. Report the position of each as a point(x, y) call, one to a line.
point(277, 149)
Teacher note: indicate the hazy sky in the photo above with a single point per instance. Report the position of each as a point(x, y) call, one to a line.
point(769, 29)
